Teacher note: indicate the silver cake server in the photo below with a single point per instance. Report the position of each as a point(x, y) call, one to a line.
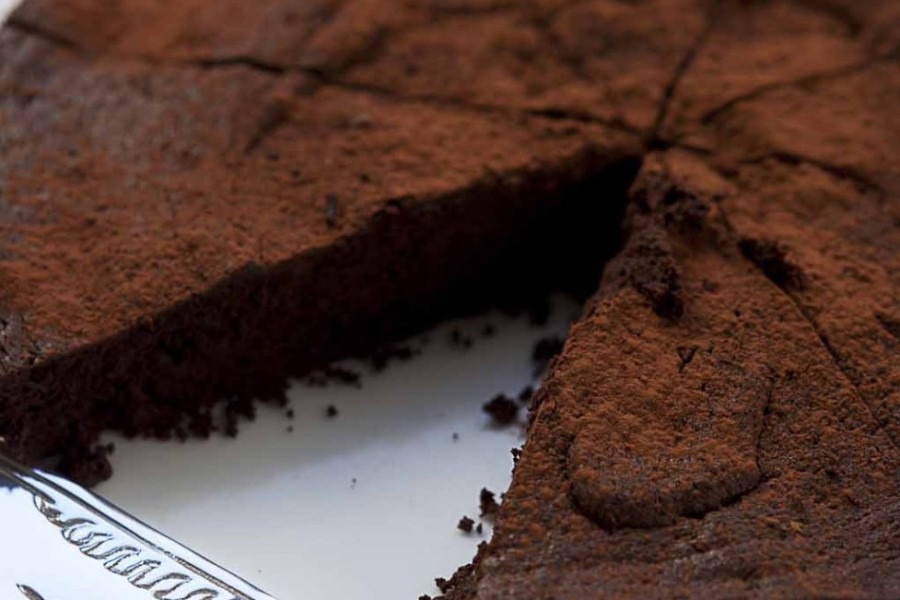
point(59, 541)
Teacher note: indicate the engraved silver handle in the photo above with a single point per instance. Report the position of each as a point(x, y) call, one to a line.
point(60, 541)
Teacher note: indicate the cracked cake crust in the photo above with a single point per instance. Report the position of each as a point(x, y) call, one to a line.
point(723, 420)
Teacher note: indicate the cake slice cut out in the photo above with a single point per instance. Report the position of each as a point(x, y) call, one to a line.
point(721, 423)
point(169, 244)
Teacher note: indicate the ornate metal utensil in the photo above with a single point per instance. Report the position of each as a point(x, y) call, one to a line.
point(59, 541)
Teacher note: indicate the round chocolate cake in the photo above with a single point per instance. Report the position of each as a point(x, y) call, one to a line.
point(184, 181)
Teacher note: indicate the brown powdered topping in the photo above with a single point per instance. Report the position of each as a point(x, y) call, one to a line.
point(183, 183)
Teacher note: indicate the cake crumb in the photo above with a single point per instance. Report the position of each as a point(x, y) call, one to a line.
point(465, 524)
point(487, 502)
point(459, 339)
point(289, 413)
point(343, 375)
point(316, 380)
point(331, 411)
point(526, 394)
point(545, 349)
point(455, 436)
point(334, 374)
point(502, 409)
point(385, 355)
point(479, 529)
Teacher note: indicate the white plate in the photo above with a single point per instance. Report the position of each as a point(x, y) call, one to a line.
point(362, 505)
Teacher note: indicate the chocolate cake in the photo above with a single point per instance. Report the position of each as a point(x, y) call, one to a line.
point(199, 199)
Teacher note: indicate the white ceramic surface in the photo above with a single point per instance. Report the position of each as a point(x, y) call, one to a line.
point(362, 505)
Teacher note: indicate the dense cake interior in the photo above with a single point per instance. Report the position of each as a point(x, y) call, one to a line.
point(507, 243)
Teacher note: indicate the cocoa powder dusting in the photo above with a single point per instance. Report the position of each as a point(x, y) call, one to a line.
point(182, 186)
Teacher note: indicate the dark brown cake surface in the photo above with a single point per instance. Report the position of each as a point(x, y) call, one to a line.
point(747, 447)
point(182, 182)
point(164, 214)
point(725, 420)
